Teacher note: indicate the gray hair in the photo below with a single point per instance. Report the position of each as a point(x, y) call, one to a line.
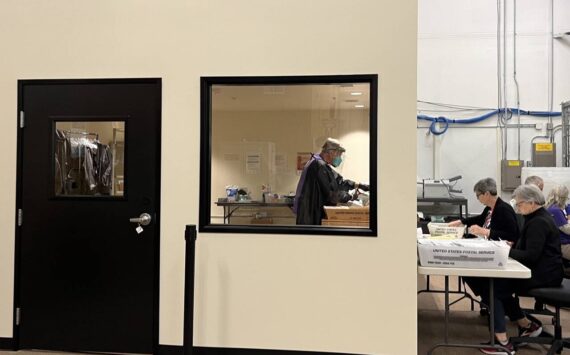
point(332, 144)
point(534, 180)
point(557, 196)
point(486, 185)
point(529, 193)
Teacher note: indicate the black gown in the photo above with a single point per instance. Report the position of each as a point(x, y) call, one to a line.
point(322, 186)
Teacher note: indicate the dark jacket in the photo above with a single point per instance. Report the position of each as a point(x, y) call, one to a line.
point(322, 186)
point(503, 222)
point(539, 249)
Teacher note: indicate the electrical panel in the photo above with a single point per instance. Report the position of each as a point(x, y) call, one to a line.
point(511, 174)
point(544, 154)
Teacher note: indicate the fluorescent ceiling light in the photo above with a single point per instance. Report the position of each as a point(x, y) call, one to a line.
point(359, 106)
point(356, 93)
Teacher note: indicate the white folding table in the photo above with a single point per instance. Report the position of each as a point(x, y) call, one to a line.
point(513, 270)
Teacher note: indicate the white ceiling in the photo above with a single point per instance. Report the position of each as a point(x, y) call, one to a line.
point(290, 97)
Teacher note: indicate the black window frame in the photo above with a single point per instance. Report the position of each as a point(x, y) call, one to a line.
point(206, 82)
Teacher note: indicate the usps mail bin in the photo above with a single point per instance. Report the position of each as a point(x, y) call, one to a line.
point(463, 253)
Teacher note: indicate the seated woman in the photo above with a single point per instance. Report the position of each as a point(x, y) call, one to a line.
point(538, 249)
point(556, 205)
point(498, 220)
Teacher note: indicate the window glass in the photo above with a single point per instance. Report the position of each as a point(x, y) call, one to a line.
point(290, 155)
point(89, 158)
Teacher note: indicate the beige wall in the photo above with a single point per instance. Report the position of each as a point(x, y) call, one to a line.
point(238, 133)
point(260, 291)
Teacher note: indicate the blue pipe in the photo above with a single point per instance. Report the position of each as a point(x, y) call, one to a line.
point(446, 121)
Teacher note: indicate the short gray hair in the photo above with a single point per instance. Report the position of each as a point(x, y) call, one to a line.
point(486, 185)
point(534, 180)
point(332, 144)
point(529, 193)
point(557, 196)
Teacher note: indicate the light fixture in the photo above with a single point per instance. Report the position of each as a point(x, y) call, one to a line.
point(359, 106)
point(356, 93)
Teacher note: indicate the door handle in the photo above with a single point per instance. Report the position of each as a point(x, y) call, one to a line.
point(144, 219)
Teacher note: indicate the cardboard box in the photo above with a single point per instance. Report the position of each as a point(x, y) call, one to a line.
point(343, 223)
point(263, 220)
point(346, 213)
point(466, 253)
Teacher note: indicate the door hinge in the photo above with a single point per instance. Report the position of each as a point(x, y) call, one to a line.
point(21, 119)
point(18, 316)
point(20, 217)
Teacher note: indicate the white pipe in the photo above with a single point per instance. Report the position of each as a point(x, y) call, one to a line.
point(499, 96)
point(505, 98)
point(551, 67)
point(515, 79)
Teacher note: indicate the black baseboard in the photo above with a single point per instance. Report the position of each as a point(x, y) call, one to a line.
point(6, 343)
point(170, 350)
point(179, 350)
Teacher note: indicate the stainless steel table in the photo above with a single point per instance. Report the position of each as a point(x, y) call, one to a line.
point(231, 207)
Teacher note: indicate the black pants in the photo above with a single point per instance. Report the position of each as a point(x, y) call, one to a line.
point(505, 302)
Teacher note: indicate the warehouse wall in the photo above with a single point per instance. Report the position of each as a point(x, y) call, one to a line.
point(259, 291)
point(457, 64)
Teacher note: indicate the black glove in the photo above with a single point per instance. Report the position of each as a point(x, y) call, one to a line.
point(364, 187)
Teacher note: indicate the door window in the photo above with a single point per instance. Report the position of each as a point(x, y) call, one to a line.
point(89, 158)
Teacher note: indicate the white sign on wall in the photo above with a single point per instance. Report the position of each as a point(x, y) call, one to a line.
point(253, 163)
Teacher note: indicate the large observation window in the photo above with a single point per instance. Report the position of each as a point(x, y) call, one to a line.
point(294, 155)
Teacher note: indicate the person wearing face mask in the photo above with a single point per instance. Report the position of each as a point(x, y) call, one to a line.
point(320, 185)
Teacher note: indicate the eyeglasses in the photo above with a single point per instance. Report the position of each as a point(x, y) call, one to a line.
point(520, 202)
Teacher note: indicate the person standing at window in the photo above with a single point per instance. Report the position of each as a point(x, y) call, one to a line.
point(320, 185)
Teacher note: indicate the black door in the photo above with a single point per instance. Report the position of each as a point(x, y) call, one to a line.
point(89, 161)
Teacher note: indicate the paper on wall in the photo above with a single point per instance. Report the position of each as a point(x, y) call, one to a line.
point(253, 163)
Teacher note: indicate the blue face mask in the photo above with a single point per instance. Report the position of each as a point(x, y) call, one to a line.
point(336, 161)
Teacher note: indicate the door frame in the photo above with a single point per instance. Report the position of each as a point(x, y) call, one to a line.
point(19, 176)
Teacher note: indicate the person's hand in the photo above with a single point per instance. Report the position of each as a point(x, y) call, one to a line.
point(456, 223)
point(475, 229)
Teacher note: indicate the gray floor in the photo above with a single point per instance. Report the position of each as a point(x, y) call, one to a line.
point(466, 326)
